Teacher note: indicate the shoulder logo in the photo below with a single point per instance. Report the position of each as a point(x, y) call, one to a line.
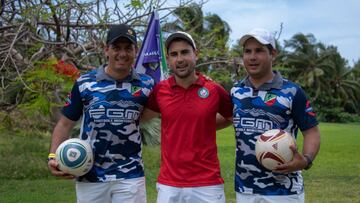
point(309, 110)
point(270, 99)
point(203, 93)
point(68, 100)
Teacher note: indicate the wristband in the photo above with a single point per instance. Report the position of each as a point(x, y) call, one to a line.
point(51, 156)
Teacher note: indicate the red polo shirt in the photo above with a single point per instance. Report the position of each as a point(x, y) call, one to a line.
point(188, 131)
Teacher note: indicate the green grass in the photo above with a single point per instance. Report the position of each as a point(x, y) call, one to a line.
point(335, 176)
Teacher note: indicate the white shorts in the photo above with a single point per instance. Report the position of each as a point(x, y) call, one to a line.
point(128, 190)
point(205, 194)
point(253, 198)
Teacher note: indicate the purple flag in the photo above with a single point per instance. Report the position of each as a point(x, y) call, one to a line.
point(151, 58)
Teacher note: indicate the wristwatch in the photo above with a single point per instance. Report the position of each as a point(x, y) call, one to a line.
point(309, 162)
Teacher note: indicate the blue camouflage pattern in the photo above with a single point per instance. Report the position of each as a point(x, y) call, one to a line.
point(278, 106)
point(110, 113)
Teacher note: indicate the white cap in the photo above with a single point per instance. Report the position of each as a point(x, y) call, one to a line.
point(180, 35)
point(261, 35)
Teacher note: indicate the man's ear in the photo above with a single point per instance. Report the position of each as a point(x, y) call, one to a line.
point(106, 50)
point(136, 49)
point(196, 51)
point(273, 53)
point(167, 61)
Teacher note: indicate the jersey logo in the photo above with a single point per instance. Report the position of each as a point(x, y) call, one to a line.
point(203, 93)
point(68, 100)
point(270, 99)
point(309, 110)
point(136, 91)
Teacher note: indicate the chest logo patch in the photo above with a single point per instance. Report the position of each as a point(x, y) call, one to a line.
point(136, 91)
point(270, 99)
point(203, 93)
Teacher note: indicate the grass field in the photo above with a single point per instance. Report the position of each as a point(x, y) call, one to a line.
point(335, 176)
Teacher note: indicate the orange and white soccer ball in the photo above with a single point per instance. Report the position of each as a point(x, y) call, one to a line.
point(273, 148)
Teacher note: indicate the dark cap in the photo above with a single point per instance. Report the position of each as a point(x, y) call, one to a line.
point(180, 35)
point(121, 30)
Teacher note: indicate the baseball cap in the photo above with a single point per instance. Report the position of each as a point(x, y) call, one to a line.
point(262, 35)
point(120, 30)
point(180, 35)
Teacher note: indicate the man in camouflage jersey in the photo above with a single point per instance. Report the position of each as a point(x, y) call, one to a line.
point(109, 100)
point(262, 101)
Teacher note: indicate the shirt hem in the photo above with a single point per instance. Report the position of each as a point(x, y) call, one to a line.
point(271, 194)
point(193, 184)
point(84, 180)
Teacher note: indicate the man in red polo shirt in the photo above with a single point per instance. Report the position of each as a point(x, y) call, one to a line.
point(188, 104)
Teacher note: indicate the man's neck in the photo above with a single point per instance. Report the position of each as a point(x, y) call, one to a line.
point(186, 82)
point(257, 82)
point(117, 75)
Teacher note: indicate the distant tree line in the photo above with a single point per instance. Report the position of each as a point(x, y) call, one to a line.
point(46, 44)
point(332, 85)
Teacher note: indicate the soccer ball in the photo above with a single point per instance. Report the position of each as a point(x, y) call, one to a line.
point(75, 157)
point(272, 148)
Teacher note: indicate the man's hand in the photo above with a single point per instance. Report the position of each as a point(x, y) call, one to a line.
point(298, 162)
point(53, 167)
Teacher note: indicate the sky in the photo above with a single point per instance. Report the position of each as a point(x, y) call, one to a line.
point(332, 22)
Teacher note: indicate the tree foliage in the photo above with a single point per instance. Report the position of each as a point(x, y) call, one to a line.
point(333, 87)
point(211, 35)
point(46, 44)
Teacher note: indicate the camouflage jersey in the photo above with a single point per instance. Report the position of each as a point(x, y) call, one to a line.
point(277, 104)
point(110, 112)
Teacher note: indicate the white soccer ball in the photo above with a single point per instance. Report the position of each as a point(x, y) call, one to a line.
point(75, 157)
point(272, 148)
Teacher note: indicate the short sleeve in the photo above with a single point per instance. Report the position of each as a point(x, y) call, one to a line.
point(303, 114)
point(225, 104)
point(73, 107)
point(152, 103)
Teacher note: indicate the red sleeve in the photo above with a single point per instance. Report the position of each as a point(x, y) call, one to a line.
point(225, 104)
point(152, 102)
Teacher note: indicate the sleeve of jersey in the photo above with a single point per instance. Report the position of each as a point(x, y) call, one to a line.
point(152, 103)
point(225, 104)
point(303, 113)
point(73, 107)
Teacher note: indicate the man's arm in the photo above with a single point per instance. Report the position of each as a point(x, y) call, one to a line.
point(311, 146)
point(222, 122)
point(61, 133)
point(147, 115)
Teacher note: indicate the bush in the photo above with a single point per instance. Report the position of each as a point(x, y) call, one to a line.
point(47, 85)
point(337, 115)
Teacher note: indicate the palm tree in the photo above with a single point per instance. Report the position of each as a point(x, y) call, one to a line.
point(306, 59)
point(210, 32)
point(342, 84)
point(323, 73)
point(187, 18)
point(356, 72)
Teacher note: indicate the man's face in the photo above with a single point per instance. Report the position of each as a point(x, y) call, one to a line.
point(257, 59)
point(181, 58)
point(121, 54)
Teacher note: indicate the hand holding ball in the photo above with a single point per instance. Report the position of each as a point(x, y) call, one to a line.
point(273, 148)
point(75, 157)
